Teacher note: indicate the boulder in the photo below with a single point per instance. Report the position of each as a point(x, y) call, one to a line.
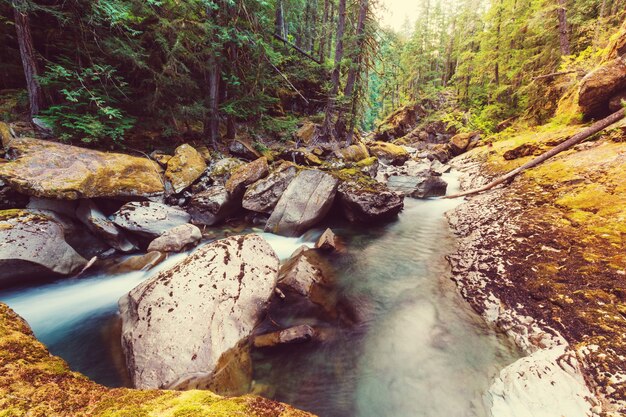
point(263, 195)
point(184, 167)
point(617, 101)
point(305, 202)
point(297, 334)
point(11, 199)
point(368, 166)
point(177, 239)
point(327, 241)
point(306, 133)
point(5, 134)
point(212, 206)
point(246, 175)
point(369, 203)
point(600, 85)
point(222, 170)
point(354, 153)
point(303, 273)
point(241, 149)
point(418, 187)
point(161, 158)
point(177, 325)
point(398, 123)
point(63, 207)
point(389, 153)
point(92, 217)
point(460, 143)
point(301, 156)
point(149, 219)
point(32, 245)
point(52, 170)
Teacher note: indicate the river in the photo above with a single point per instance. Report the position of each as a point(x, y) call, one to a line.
point(418, 351)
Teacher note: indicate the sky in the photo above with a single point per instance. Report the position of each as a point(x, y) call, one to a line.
point(394, 13)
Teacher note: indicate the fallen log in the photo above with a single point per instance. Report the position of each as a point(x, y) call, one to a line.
point(577, 138)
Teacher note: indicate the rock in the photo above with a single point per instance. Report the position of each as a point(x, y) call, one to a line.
point(398, 123)
point(212, 206)
point(369, 203)
point(306, 133)
point(440, 168)
point(241, 149)
point(161, 158)
point(91, 216)
point(221, 171)
point(525, 149)
point(354, 153)
point(246, 175)
point(63, 207)
point(33, 245)
point(184, 167)
point(368, 166)
point(149, 219)
point(389, 153)
point(302, 273)
point(52, 170)
point(176, 239)
point(263, 195)
point(297, 334)
point(5, 134)
point(600, 85)
point(305, 202)
point(143, 262)
point(617, 101)
point(11, 199)
point(177, 325)
point(418, 187)
point(460, 143)
point(301, 156)
point(327, 241)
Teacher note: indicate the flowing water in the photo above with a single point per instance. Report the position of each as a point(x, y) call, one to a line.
point(418, 349)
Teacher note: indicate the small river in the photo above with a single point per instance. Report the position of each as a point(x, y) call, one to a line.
point(418, 350)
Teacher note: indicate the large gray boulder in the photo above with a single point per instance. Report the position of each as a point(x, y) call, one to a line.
point(305, 202)
point(369, 204)
point(33, 245)
point(418, 187)
point(263, 195)
point(96, 221)
point(212, 206)
point(177, 325)
point(149, 219)
point(177, 239)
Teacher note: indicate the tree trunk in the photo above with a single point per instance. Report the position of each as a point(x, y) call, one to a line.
point(212, 122)
point(335, 76)
point(27, 53)
point(279, 23)
point(563, 27)
point(577, 138)
point(324, 32)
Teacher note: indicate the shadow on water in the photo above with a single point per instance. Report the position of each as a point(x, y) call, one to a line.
point(417, 350)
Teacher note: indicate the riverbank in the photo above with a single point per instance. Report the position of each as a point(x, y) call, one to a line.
point(543, 260)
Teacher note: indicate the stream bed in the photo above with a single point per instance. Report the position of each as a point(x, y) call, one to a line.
point(419, 349)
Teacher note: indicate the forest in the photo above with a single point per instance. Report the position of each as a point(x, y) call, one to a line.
point(292, 208)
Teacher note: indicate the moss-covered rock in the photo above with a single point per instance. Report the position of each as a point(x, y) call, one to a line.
point(354, 153)
point(246, 175)
point(600, 86)
point(184, 167)
point(389, 153)
point(35, 383)
point(52, 170)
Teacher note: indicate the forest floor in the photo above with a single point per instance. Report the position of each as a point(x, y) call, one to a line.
point(551, 245)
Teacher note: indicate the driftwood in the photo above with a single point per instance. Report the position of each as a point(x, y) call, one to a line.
point(577, 138)
point(297, 48)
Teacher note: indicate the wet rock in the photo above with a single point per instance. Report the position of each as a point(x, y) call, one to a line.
point(11, 199)
point(243, 150)
point(305, 202)
point(52, 170)
point(389, 153)
point(33, 245)
point(369, 203)
point(296, 334)
point(143, 262)
point(263, 195)
point(354, 153)
point(212, 206)
point(177, 239)
point(327, 241)
point(95, 220)
point(302, 273)
point(177, 325)
point(246, 175)
point(149, 219)
point(418, 187)
point(186, 166)
point(600, 85)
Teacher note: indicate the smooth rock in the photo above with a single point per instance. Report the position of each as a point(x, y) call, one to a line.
point(52, 170)
point(369, 204)
point(177, 325)
point(184, 167)
point(143, 262)
point(418, 187)
point(95, 220)
point(297, 334)
point(33, 245)
point(149, 219)
point(305, 202)
point(177, 239)
point(389, 153)
point(263, 195)
point(460, 143)
point(246, 175)
point(63, 207)
point(327, 241)
point(212, 206)
point(302, 273)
